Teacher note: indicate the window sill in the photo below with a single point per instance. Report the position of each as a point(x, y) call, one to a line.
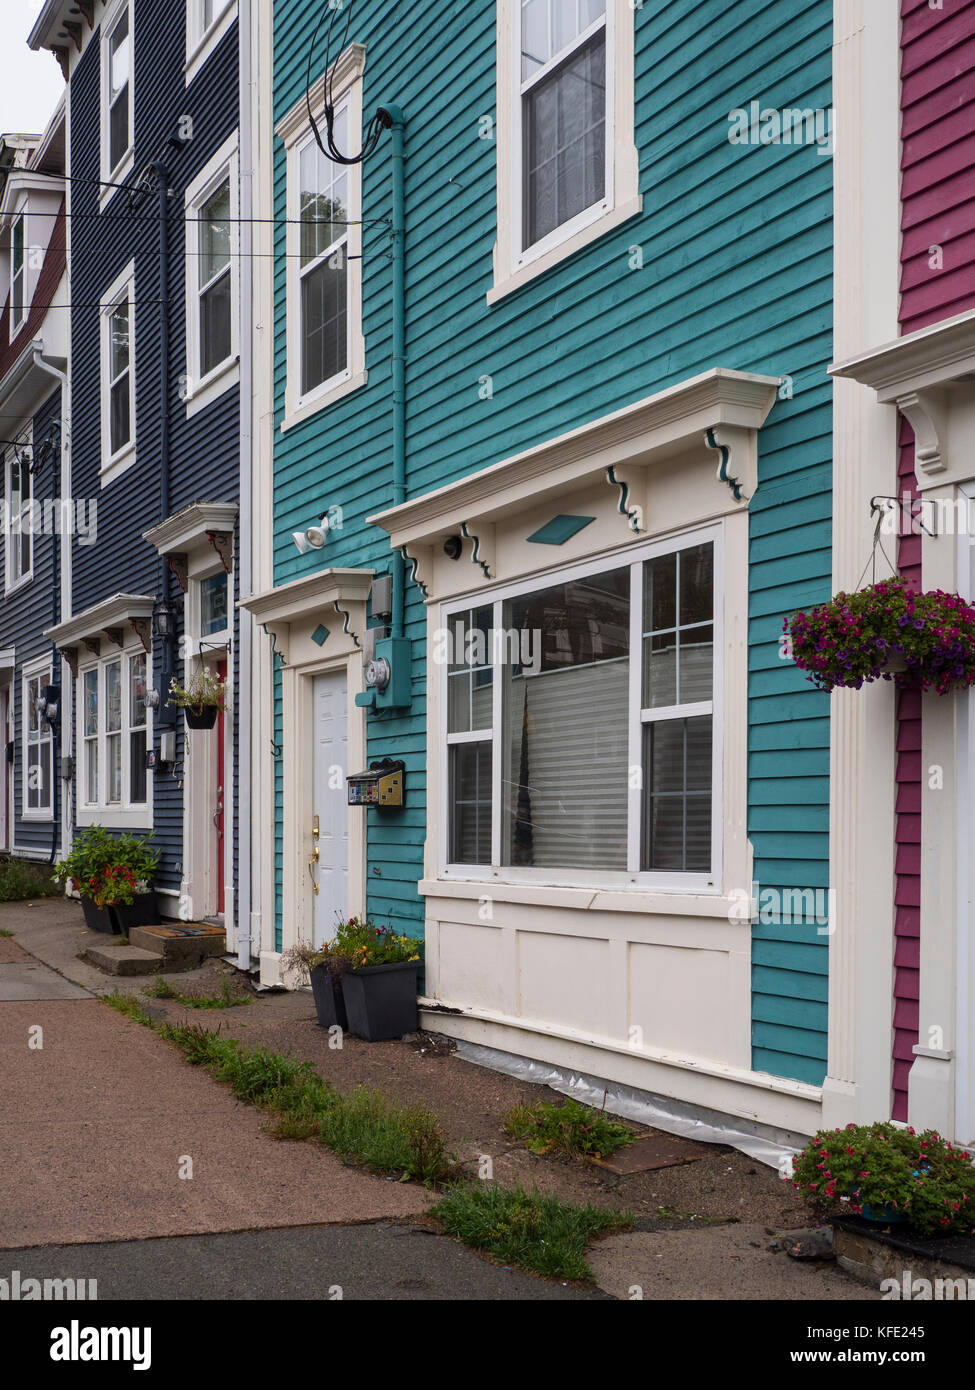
point(213, 386)
point(118, 175)
point(615, 217)
point(311, 405)
point(206, 44)
point(118, 465)
point(132, 818)
point(37, 817)
point(18, 584)
point(676, 903)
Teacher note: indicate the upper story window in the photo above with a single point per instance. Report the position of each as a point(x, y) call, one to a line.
point(38, 742)
point(20, 538)
point(18, 277)
point(325, 346)
point(567, 163)
point(206, 23)
point(212, 279)
point(118, 374)
point(580, 724)
point(117, 94)
point(213, 604)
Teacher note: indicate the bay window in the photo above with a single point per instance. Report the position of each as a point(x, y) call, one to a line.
point(113, 736)
point(580, 724)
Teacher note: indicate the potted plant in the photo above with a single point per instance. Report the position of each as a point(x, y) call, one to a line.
point(325, 967)
point(379, 984)
point(200, 699)
point(887, 632)
point(112, 875)
point(884, 1173)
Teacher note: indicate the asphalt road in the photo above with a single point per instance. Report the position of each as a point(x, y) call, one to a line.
point(387, 1261)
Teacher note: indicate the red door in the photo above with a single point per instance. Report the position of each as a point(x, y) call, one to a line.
point(218, 810)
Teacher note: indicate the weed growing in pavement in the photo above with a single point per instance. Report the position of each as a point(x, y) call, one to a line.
point(129, 1005)
point(369, 1129)
point(569, 1128)
point(226, 999)
point(538, 1233)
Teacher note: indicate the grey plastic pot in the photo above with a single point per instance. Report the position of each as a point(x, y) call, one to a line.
point(381, 1000)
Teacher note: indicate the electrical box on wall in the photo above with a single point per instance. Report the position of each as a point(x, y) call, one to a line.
point(388, 676)
point(383, 785)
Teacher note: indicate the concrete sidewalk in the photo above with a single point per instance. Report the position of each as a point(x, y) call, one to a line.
point(97, 1125)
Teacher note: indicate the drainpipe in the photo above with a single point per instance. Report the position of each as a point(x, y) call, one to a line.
point(397, 121)
point(64, 542)
point(246, 867)
point(162, 194)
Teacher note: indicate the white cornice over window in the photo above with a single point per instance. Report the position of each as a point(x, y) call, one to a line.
point(304, 602)
point(192, 531)
point(921, 373)
point(113, 620)
point(720, 411)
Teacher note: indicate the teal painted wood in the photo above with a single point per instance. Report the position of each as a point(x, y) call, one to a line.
point(737, 263)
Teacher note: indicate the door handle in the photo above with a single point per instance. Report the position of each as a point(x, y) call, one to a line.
point(311, 869)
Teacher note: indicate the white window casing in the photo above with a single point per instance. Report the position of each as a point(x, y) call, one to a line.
point(114, 733)
point(318, 248)
point(37, 744)
point(18, 274)
point(210, 273)
point(18, 485)
point(118, 368)
point(117, 96)
point(515, 262)
point(207, 22)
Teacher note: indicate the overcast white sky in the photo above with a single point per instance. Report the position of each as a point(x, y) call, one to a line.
point(30, 83)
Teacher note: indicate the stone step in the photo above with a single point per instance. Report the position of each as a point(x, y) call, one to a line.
point(180, 945)
point(123, 960)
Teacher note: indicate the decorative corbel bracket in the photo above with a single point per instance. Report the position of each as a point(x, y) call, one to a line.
point(74, 30)
point(223, 544)
point(64, 59)
point(179, 568)
point(70, 655)
point(87, 8)
point(346, 614)
point(632, 488)
point(115, 635)
point(737, 458)
point(94, 645)
point(419, 560)
point(926, 413)
point(482, 548)
point(142, 627)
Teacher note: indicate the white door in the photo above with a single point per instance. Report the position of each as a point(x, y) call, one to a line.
point(330, 812)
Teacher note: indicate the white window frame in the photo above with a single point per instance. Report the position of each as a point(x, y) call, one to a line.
point(19, 219)
point(203, 39)
point(297, 134)
point(123, 287)
point(14, 582)
point(202, 390)
point(633, 877)
point(125, 164)
point(124, 814)
point(514, 264)
point(221, 637)
point(40, 671)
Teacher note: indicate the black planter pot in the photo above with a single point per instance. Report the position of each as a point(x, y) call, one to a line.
point(98, 918)
point(329, 1003)
point(143, 912)
point(203, 717)
point(381, 1000)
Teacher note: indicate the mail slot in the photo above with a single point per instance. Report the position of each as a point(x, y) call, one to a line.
point(383, 785)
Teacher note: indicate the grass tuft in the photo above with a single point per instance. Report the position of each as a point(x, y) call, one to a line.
point(226, 999)
point(538, 1233)
point(369, 1129)
point(23, 878)
point(569, 1128)
point(127, 1004)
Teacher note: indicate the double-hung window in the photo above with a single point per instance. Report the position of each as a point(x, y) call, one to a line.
point(117, 94)
point(19, 504)
point(212, 279)
point(38, 742)
point(114, 736)
point(18, 277)
point(207, 21)
point(325, 347)
point(118, 374)
point(580, 725)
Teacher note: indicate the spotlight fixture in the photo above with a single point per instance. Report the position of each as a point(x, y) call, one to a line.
point(312, 539)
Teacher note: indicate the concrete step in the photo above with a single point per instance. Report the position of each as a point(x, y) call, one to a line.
point(118, 959)
point(180, 945)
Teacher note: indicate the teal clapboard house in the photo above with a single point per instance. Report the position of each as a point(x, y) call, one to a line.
point(549, 377)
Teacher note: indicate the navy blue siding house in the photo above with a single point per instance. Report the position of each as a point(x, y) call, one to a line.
point(152, 201)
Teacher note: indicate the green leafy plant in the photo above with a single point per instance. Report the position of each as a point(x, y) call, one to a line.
point(304, 957)
point(202, 691)
point(569, 1128)
point(883, 1168)
point(22, 878)
point(226, 999)
point(536, 1232)
point(855, 638)
point(108, 868)
point(362, 944)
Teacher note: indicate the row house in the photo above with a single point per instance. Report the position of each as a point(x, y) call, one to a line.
point(546, 331)
point(151, 237)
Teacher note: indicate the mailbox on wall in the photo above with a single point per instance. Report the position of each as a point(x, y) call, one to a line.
point(383, 785)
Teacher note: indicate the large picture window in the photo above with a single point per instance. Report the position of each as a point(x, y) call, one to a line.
point(580, 723)
point(114, 735)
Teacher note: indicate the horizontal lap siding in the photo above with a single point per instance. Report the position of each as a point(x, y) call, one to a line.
point(204, 450)
point(736, 249)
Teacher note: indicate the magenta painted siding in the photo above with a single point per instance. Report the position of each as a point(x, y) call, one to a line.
point(937, 159)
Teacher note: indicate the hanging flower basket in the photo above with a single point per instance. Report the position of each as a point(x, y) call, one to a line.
point(921, 641)
point(200, 716)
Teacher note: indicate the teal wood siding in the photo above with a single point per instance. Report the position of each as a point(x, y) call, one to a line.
point(736, 246)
